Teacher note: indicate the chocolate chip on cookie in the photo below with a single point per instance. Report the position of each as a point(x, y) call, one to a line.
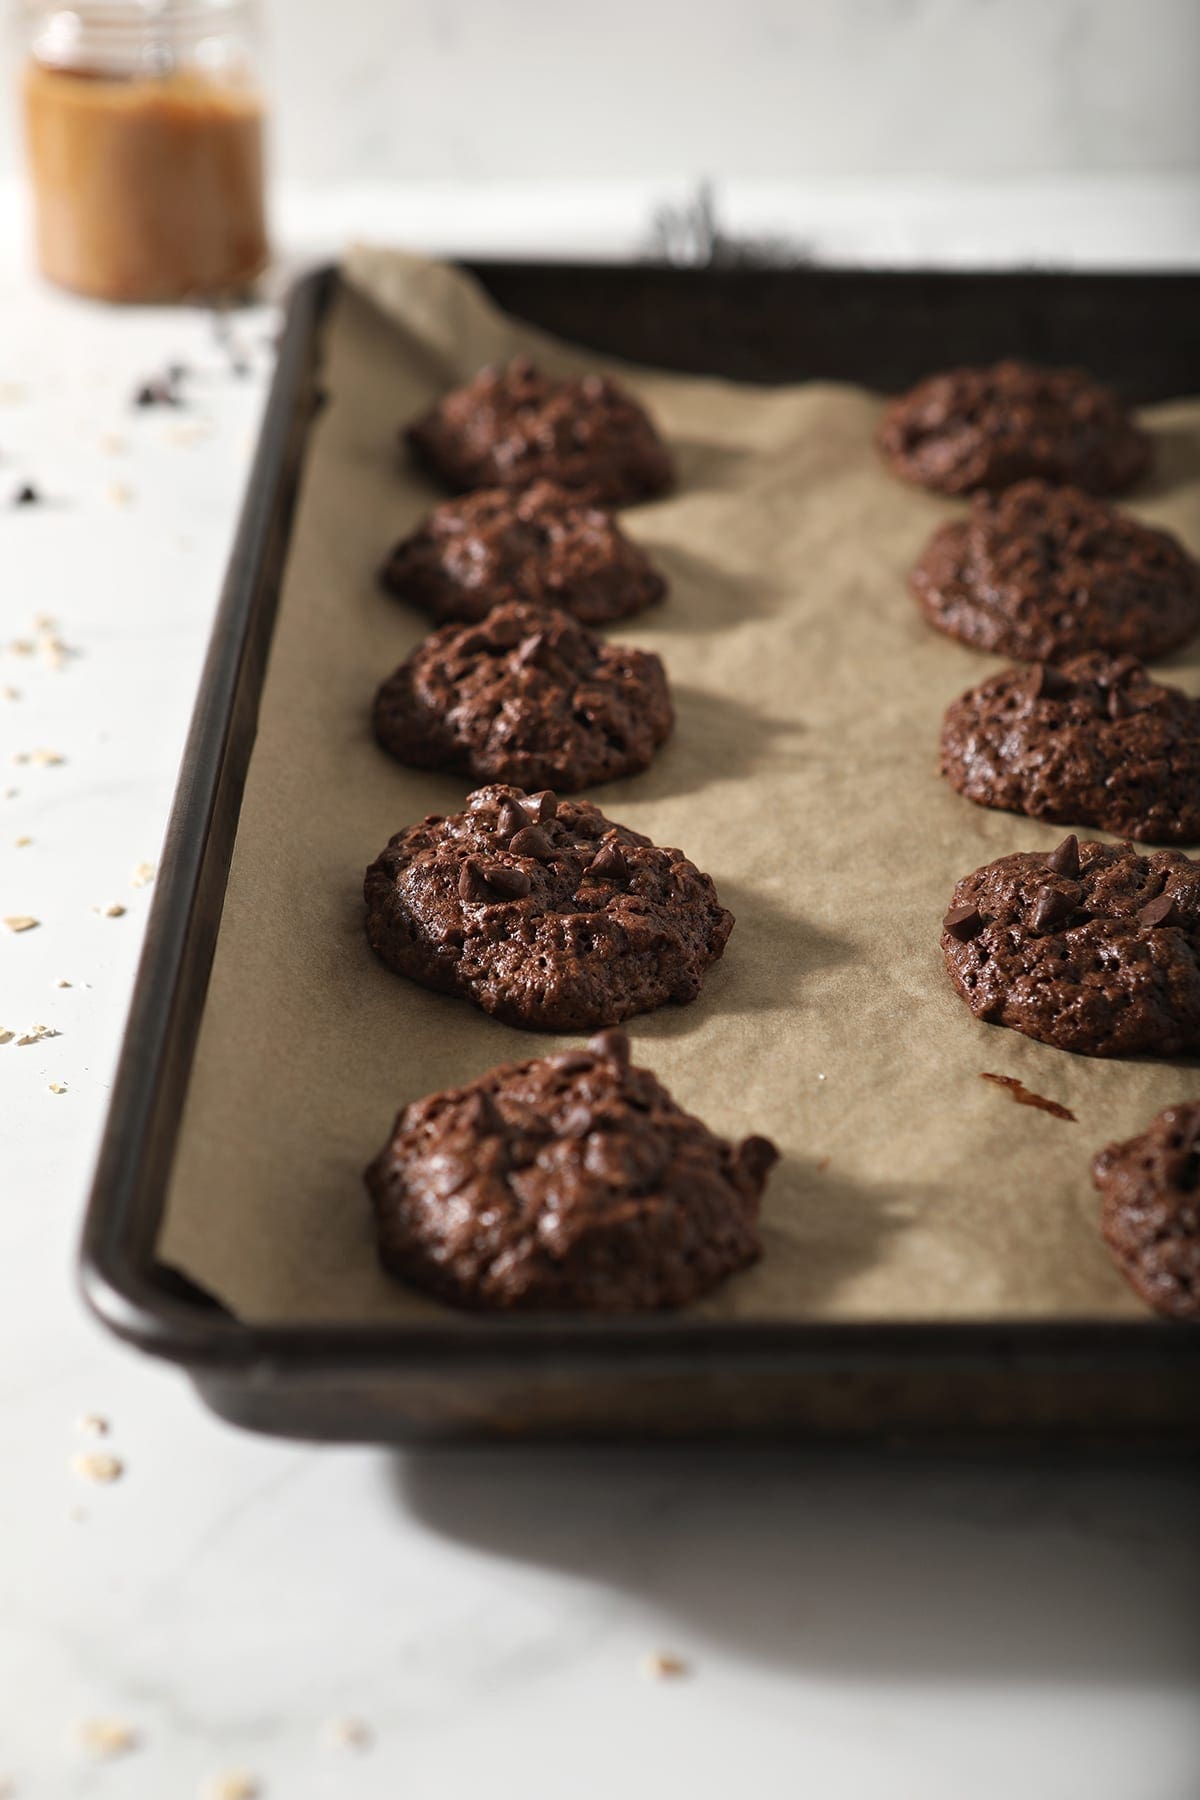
point(527, 697)
point(1092, 948)
point(574, 1181)
point(559, 936)
point(1103, 744)
point(1041, 573)
point(989, 427)
point(543, 545)
point(1150, 1210)
point(514, 425)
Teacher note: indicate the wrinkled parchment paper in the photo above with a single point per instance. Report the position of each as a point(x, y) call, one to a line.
point(801, 776)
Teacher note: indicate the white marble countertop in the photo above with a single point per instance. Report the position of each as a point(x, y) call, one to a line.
point(850, 1628)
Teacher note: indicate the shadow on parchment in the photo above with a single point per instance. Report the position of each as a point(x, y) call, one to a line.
point(702, 596)
point(770, 956)
point(1176, 461)
point(715, 739)
point(703, 465)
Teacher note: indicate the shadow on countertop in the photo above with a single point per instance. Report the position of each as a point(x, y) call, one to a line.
point(915, 1568)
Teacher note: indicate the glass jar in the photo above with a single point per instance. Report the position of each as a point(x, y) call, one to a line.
point(144, 124)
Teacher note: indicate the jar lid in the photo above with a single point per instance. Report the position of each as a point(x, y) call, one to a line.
point(126, 37)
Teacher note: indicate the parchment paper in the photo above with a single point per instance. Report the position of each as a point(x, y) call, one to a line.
point(801, 776)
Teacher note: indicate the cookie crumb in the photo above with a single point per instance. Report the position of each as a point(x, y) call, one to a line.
point(36, 1033)
point(118, 493)
point(114, 910)
point(11, 693)
point(98, 1466)
point(94, 1424)
point(58, 1087)
point(142, 875)
point(62, 982)
point(661, 1665)
point(49, 759)
point(347, 1734)
point(22, 843)
point(21, 922)
point(6, 1036)
point(104, 1738)
point(237, 1785)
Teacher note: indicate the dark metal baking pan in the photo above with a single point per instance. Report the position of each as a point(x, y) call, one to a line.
point(656, 1377)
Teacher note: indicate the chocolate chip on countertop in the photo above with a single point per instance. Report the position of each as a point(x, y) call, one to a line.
point(1065, 860)
point(963, 923)
point(26, 495)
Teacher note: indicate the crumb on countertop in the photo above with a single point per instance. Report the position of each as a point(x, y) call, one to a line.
point(662, 1665)
point(97, 1466)
point(103, 1738)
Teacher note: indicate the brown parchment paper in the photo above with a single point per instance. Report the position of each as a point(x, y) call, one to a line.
point(801, 775)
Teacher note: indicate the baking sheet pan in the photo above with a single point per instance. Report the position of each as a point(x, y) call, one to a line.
point(913, 1198)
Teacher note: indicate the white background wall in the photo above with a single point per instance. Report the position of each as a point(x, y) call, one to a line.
point(740, 88)
point(520, 89)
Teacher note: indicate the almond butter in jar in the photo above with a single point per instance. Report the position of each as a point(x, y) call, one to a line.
point(144, 124)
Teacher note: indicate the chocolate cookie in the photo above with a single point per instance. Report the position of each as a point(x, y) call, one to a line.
point(525, 696)
point(1092, 948)
point(572, 1181)
point(1039, 573)
point(543, 913)
point(986, 428)
point(1150, 1210)
point(1094, 741)
point(544, 546)
point(514, 425)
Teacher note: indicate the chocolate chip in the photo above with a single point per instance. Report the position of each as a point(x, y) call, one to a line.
point(1065, 860)
point(963, 923)
point(470, 887)
point(756, 1155)
point(156, 393)
point(576, 1122)
point(540, 807)
point(1048, 683)
point(26, 495)
point(511, 884)
point(571, 1062)
point(478, 1113)
point(613, 1045)
point(511, 819)
point(1117, 706)
point(532, 650)
point(609, 863)
point(1162, 911)
point(1053, 907)
point(531, 840)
